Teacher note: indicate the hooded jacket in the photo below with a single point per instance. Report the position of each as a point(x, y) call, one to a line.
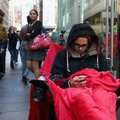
point(68, 61)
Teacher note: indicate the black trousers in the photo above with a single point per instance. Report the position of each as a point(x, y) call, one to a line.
point(2, 62)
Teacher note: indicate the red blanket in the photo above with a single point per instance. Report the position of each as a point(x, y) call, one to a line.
point(54, 49)
point(38, 109)
point(95, 102)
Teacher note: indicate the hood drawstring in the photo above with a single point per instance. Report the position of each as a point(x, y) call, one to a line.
point(68, 69)
point(98, 61)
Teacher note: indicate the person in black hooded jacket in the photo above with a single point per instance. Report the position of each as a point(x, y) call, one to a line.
point(82, 51)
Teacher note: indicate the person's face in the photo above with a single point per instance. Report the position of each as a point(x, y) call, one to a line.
point(12, 29)
point(33, 16)
point(80, 45)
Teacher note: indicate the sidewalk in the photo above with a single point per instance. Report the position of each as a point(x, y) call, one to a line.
point(14, 95)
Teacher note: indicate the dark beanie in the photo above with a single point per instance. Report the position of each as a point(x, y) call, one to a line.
point(80, 30)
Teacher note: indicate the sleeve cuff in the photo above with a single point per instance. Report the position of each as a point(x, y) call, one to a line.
point(66, 84)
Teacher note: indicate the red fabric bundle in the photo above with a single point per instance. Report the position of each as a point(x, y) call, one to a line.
point(54, 49)
point(37, 110)
point(95, 102)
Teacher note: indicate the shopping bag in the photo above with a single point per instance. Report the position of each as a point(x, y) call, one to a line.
point(42, 41)
point(18, 45)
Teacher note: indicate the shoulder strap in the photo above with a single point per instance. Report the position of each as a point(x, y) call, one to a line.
point(24, 32)
point(43, 30)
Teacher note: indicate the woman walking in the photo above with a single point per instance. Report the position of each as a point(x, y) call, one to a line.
point(34, 58)
point(12, 36)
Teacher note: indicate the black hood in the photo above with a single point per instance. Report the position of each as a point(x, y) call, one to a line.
point(79, 30)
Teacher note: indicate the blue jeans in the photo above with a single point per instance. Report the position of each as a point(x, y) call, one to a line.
point(16, 55)
point(23, 50)
point(12, 53)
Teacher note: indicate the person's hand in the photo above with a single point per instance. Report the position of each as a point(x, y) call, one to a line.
point(78, 82)
point(28, 35)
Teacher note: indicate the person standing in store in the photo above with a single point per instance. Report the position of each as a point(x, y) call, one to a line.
point(23, 50)
point(3, 45)
point(34, 57)
point(12, 36)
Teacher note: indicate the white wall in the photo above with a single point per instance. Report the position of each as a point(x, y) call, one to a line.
point(49, 13)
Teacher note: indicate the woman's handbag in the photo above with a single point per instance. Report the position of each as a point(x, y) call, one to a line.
point(42, 41)
point(18, 45)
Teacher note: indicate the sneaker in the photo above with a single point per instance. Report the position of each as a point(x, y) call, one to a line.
point(1, 74)
point(25, 79)
point(16, 63)
point(1, 50)
point(12, 66)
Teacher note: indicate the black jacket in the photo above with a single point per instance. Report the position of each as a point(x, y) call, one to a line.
point(34, 30)
point(12, 40)
point(77, 64)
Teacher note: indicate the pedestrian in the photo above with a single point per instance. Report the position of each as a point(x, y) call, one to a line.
point(3, 46)
point(12, 36)
point(16, 50)
point(82, 52)
point(34, 57)
point(23, 50)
